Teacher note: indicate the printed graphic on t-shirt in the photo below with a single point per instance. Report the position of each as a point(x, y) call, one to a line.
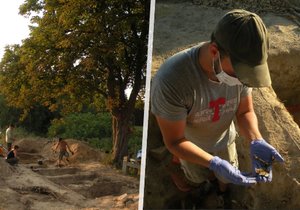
point(216, 105)
point(215, 110)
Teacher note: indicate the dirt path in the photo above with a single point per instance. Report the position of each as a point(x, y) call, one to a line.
point(85, 184)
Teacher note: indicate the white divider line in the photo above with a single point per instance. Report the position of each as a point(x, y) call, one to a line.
point(146, 107)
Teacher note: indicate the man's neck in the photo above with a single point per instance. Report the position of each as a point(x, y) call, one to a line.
point(205, 62)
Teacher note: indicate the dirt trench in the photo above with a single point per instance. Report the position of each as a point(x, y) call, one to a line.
point(37, 183)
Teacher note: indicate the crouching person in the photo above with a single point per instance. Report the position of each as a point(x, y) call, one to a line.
point(12, 156)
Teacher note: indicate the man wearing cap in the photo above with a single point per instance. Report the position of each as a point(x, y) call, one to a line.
point(197, 93)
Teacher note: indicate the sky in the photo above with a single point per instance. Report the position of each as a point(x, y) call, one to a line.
point(13, 27)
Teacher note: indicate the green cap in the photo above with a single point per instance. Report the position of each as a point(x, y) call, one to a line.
point(244, 37)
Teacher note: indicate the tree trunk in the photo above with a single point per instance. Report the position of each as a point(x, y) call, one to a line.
point(121, 130)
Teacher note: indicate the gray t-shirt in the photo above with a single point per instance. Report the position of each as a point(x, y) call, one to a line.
point(181, 90)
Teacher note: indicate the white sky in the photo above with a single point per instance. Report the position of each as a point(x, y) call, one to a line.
point(13, 27)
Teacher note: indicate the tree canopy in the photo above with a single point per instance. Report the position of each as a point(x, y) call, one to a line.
point(79, 53)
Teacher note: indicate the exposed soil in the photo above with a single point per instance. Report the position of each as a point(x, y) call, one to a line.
point(83, 183)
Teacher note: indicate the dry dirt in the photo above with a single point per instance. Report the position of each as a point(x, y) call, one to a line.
point(182, 24)
point(84, 183)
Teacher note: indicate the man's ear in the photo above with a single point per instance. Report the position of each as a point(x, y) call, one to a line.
point(213, 50)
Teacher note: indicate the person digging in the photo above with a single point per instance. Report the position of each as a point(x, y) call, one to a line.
point(63, 147)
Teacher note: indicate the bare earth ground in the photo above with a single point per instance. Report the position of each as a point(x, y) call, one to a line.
point(84, 183)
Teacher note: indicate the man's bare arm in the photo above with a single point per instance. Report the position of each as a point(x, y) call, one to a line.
point(69, 148)
point(175, 141)
point(56, 146)
point(247, 120)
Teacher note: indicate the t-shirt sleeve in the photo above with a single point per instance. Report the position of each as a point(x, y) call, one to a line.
point(246, 91)
point(166, 100)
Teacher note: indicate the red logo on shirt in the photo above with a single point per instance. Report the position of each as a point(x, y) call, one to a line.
point(216, 106)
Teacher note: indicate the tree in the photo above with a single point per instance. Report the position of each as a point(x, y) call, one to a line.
point(8, 114)
point(79, 51)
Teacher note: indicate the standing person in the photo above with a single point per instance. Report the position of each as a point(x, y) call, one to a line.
point(12, 156)
point(63, 146)
point(197, 93)
point(9, 137)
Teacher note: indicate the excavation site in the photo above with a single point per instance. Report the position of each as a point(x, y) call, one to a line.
point(82, 183)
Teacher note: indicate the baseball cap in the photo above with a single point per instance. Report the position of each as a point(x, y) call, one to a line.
point(243, 35)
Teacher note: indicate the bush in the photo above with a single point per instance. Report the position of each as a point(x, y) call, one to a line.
point(104, 144)
point(82, 126)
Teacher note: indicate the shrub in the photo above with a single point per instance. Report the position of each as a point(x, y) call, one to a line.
point(82, 126)
point(104, 144)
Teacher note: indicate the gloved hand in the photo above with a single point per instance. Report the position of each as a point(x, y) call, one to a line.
point(229, 172)
point(262, 155)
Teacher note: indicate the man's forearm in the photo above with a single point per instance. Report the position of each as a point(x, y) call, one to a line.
point(177, 144)
point(248, 125)
point(188, 151)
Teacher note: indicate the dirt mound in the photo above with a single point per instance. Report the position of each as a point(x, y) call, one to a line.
point(31, 145)
point(82, 151)
point(5, 169)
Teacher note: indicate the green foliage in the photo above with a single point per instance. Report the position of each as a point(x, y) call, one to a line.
point(135, 140)
point(104, 144)
point(35, 121)
point(57, 128)
point(82, 126)
point(7, 114)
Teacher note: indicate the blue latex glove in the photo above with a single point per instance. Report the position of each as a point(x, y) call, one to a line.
point(262, 156)
point(225, 169)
